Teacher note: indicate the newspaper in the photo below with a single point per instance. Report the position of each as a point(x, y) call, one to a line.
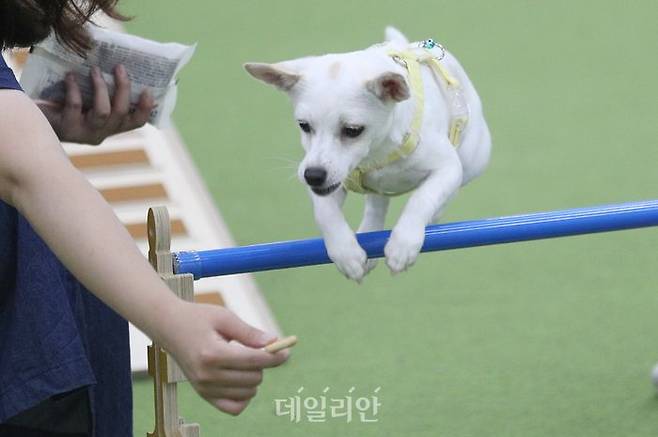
point(150, 66)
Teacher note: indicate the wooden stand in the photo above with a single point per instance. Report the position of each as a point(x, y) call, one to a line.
point(161, 366)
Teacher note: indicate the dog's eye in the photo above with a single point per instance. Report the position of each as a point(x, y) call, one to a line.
point(352, 131)
point(305, 126)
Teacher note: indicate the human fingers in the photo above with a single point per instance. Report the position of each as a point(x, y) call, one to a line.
point(141, 112)
point(232, 327)
point(215, 376)
point(230, 406)
point(98, 116)
point(245, 358)
point(215, 391)
point(239, 378)
point(72, 111)
point(121, 97)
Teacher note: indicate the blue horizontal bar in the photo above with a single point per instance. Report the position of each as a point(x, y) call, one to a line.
point(498, 230)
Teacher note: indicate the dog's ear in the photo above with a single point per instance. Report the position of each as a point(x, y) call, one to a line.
point(273, 74)
point(389, 87)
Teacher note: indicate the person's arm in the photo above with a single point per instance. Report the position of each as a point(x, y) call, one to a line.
point(38, 179)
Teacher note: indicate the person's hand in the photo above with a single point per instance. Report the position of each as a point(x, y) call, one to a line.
point(107, 117)
point(224, 374)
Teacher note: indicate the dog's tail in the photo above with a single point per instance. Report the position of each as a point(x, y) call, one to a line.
point(394, 35)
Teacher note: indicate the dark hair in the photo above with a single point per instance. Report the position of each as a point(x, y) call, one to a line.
point(23, 23)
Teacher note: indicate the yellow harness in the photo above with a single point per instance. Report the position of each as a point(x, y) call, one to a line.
point(412, 60)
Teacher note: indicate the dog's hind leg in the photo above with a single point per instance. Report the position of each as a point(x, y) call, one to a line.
point(374, 215)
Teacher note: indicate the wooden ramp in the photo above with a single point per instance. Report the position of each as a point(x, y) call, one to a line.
point(149, 167)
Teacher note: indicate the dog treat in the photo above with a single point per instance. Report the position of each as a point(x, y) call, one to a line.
point(281, 344)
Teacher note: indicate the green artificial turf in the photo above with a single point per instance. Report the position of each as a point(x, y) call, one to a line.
point(550, 338)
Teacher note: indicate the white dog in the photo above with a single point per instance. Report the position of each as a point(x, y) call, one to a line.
point(383, 121)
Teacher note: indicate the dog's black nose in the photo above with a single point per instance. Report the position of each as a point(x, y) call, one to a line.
point(315, 176)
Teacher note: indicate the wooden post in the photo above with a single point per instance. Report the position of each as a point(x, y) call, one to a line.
point(161, 366)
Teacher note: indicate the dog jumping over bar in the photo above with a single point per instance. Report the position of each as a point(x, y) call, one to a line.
point(395, 118)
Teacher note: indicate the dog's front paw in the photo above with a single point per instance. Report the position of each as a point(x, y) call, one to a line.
point(350, 259)
point(403, 248)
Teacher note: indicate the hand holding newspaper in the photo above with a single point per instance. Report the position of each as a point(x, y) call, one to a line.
point(150, 66)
